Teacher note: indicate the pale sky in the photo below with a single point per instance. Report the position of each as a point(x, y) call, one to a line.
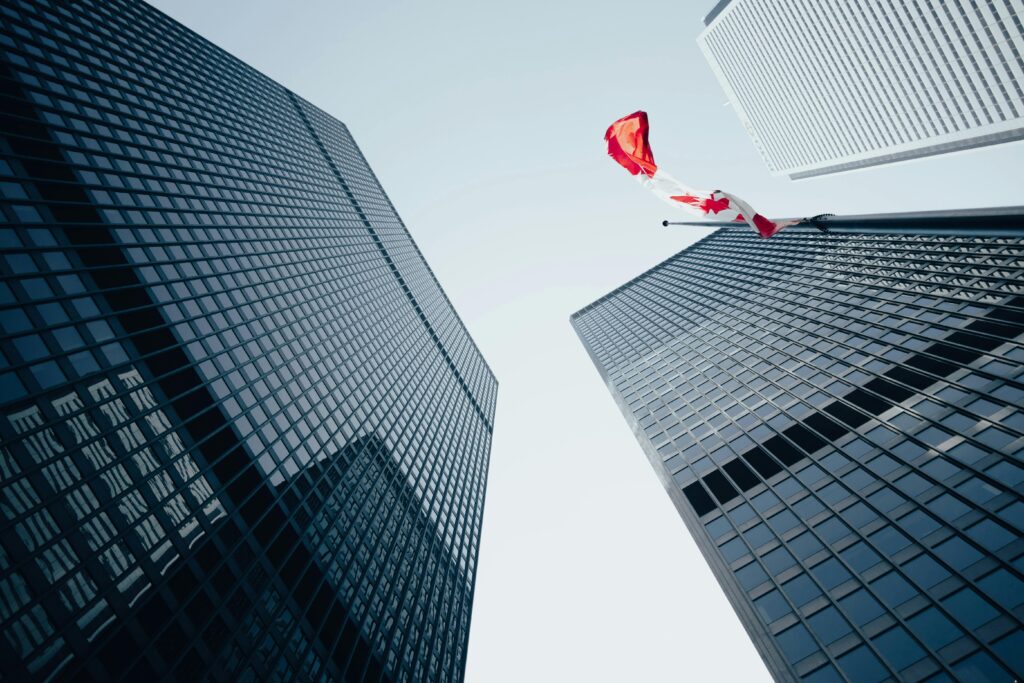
point(484, 123)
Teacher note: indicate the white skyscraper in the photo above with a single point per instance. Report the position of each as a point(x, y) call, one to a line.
point(830, 85)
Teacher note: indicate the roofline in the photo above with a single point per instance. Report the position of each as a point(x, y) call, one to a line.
point(1001, 221)
point(715, 11)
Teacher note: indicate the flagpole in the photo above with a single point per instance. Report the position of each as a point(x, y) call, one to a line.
point(997, 221)
point(818, 222)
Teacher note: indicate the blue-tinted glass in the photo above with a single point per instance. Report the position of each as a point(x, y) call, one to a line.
point(977, 490)
point(826, 674)
point(969, 609)
point(933, 628)
point(889, 540)
point(860, 557)
point(810, 474)
point(918, 524)
point(859, 515)
point(1014, 514)
point(808, 507)
point(832, 529)
point(940, 469)
point(758, 535)
point(772, 606)
point(805, 545)
point(828, 625)
point(801, 590)
point(898, 648)
point(751, 575)
point(1011, 650)
point(742, 513)
point(1005, 588)
point(48, 374)
point(990, 535)
point(893, 589)
point(948, 508)
point(1006, 473)
point(967, 453)
point(733, 550)
point(765, 500)
point(980, 668)
point(861, 607)
point(830, 573)
point(957, 553)
point(718, 527)
point(862, 666)
point(796, 643)
point(925, 571)
point(886, 499)
point(833, 493)
point(778, 561)
point(783, 522)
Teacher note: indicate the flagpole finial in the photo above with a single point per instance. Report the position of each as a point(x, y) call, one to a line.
point(664, 224)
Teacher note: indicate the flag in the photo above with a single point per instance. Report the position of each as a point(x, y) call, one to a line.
point(629, 146)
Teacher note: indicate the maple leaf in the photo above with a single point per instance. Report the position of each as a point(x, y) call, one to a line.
point(686, 199)
point(712, 205)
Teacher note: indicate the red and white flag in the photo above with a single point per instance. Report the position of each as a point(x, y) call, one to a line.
point(628, 145)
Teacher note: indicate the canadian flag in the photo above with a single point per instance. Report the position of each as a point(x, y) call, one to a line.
point(628, 145)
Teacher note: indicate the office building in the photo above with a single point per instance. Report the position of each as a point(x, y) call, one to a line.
point(243, 433)
point(823, 87)
point(837, 418)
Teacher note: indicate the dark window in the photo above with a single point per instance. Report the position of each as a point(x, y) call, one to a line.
point(934, 629)
point(828, 625)
point(861, 607)
point(796, 643)
point(898, 648)
point(801, 590)
point(830, 573)
point(893, 589)
point(968, 608)
point(772, 606)
point(863, 666)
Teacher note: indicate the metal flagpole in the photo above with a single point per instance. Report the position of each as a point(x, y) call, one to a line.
point(997, 221)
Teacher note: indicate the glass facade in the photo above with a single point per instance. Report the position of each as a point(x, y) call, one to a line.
point(838, 420)
point(243, 433)
point(827, 86)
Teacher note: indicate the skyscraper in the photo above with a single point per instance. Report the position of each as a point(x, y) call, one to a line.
point(830, 86)
point(837, 418)
point(243, 433)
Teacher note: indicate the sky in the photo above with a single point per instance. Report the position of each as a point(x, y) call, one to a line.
point(484, 123)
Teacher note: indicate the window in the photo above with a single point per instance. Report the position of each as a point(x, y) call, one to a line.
point(772, 606)
point(751, 575)
point(861, 607)
point(828, 625)
point(934, 629)
point(957, 553)
point(898, 648)
point(801, 590)
point(969, 609)
point(778, 561)
point(990, 535)
point(830, 573)
point(893, 589)
point(863, 666)
point(860, 557)
point(796, 643)
point(805, 545)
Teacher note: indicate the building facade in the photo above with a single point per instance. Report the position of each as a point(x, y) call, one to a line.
point(823, 87)
point(243, 433)
point(837, 418)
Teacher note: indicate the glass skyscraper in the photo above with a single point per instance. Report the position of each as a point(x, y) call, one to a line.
point(243, 433)
point(838, 420)
point(824, 86)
